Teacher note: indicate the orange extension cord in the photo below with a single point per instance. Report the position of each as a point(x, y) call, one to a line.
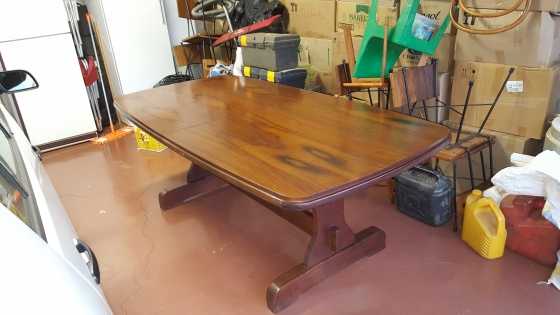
point(505, 28)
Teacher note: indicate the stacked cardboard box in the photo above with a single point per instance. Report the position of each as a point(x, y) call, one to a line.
point(534, 43)
point(502, 149)
point(537, 5)
point(322, 44)
point(314, 21)
point(531, 94)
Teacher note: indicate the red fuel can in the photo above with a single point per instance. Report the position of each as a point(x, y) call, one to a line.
point(529, 233)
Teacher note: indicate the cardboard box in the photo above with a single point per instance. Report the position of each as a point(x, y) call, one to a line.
point(210, 27)
point(433, 9)
point(538, 5)
point(311, 18)
point(317, 52)
point(316, 55)
point(503, 148)
point(534, 43)
point(207, 64)
point(356, 13)
point(189, 54)
point(443, 54)
point(530, 96)
point(182, 9)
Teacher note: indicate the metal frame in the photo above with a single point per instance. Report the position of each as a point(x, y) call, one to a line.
point(458, 140)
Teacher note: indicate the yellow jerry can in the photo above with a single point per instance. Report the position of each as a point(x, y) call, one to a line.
point(484, 226)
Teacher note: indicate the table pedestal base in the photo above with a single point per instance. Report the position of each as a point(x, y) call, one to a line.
point(199, 183)
point(332, 248)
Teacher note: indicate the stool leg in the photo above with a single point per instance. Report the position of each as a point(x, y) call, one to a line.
point(491, 157)
point(470, 169)
point(483, 166)
point(369, 95)
point(388, 96)
point(454, 206)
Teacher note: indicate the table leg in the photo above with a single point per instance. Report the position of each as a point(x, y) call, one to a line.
point(199, 183)
point(333, 247)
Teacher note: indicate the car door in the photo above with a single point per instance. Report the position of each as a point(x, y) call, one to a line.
point(26, 191)
point(36, 279)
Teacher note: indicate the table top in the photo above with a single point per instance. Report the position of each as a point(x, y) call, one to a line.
point(293, 148)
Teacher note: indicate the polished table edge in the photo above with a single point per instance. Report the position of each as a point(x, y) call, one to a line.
point(270, 197)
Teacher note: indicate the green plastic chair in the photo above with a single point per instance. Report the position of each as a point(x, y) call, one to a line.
point(400, 37)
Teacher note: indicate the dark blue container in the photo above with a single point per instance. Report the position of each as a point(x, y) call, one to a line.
point(425, 195)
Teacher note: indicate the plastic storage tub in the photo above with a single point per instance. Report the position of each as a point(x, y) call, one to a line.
point(529, 233)
point(275, 52)
point(425, 195)
point(292, 77)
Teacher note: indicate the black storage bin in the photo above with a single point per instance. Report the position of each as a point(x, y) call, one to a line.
point(292, 77)
point(425, 195)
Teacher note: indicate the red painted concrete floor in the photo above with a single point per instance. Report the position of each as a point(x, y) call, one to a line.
point(218, 254)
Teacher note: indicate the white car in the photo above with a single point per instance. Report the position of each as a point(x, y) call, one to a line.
point(44, 267)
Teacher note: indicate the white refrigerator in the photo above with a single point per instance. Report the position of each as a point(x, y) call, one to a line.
point(134, 42)
point(35, 36)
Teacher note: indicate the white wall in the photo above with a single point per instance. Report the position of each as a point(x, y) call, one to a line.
point(95, 9)
point(135, 40)
point(176, 25)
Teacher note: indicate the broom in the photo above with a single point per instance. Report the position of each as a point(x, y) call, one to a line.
point(114, 134)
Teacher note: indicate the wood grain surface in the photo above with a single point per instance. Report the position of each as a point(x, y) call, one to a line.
point(293, 148)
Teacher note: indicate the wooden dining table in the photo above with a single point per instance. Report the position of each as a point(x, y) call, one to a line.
point(297, 152)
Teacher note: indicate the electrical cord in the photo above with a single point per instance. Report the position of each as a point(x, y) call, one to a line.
point(502, 29)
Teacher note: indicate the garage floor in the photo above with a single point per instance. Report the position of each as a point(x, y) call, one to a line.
point(218, 254)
